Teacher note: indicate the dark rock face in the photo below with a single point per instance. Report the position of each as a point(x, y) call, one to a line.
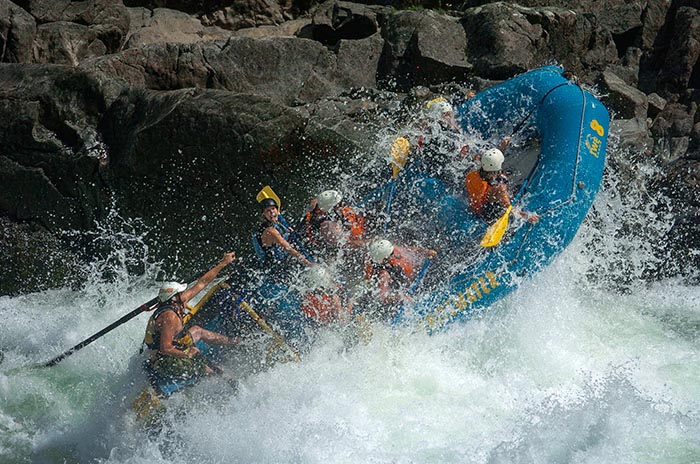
point(291, 70)
point(17, 33)
point(177, 112)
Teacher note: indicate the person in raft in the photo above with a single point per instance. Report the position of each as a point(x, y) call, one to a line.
point(173, 353)
point(271, 237)
point(326, 300)
point(487, 189)
point(391, 269)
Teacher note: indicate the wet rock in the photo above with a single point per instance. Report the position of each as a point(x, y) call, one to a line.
point(681, 66)
point(162, 25)
point(17, 33)
point(656, 104)
point(632, 135)
point(628, 101)
point(34, 259)
point(47, 120)
point(423, 49)
point(291, 70)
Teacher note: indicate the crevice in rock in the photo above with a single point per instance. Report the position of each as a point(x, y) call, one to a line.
point(627, 39)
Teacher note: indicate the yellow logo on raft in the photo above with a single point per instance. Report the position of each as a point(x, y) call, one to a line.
point(593, 143)
point(472, 293)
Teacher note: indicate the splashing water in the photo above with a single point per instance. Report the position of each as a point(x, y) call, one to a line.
point(568, 368)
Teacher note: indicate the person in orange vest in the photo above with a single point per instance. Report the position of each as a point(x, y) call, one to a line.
point(326, 301)
point(393, 268)
point(488, 192)
point(329, 224)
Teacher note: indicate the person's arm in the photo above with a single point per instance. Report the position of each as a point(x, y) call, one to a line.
point(206, 279)
point(272, 235)
point(532, 218)
point(504, 144)
point(169, 325)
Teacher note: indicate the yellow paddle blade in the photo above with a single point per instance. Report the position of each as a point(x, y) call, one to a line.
point(434, 100)
point(495, 232)
point(266, 193)
point(399, 151)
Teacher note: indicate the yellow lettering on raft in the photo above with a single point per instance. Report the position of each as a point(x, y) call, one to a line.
point(475, 291)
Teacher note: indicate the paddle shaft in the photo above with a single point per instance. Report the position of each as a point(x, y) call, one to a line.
point(296, 239)
point(388, 204)
point(419, 277)
point(143, 308)
point(266, 327)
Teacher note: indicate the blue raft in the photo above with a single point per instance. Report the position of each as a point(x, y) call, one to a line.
point(572, 127)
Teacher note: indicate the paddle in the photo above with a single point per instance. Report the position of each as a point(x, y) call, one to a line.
point(495, 232)
point(419, 277)
point(266, 193)
point(399, 152)
point(266, 327)
point(148, 306)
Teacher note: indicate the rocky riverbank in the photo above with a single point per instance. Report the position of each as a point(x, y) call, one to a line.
point(177, 112)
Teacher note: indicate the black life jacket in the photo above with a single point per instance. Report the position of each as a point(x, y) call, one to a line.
point(269, 255)
point(151, 339)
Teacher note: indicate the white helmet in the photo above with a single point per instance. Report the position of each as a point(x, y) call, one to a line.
point(492, 160)
point(318, 277)
point(379, 250)
point(327, 199)
point(169, 289)
point(438, 107)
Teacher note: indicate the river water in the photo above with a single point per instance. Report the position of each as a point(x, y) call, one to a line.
point(584, 363)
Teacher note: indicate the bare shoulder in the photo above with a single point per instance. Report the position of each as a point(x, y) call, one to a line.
point(167, 317)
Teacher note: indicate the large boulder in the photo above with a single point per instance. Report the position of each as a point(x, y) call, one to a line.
point(48, 116)
point(628, 101)
point(244, 14)
point(62, 42)
point(681, 68)
point(75, 30)
point(163, 25)
point(17, 32)
point(504, 40)
point(337, 20)
point(293, 71)
point(423, 48)
point(34, 259)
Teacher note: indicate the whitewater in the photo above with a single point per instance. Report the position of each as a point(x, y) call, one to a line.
point(586, 362)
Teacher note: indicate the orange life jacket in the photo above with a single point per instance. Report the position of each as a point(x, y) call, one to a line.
point(323, 307)
point(398, 265)
point(351, 220)
point(354, 221)
point(477, 188)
